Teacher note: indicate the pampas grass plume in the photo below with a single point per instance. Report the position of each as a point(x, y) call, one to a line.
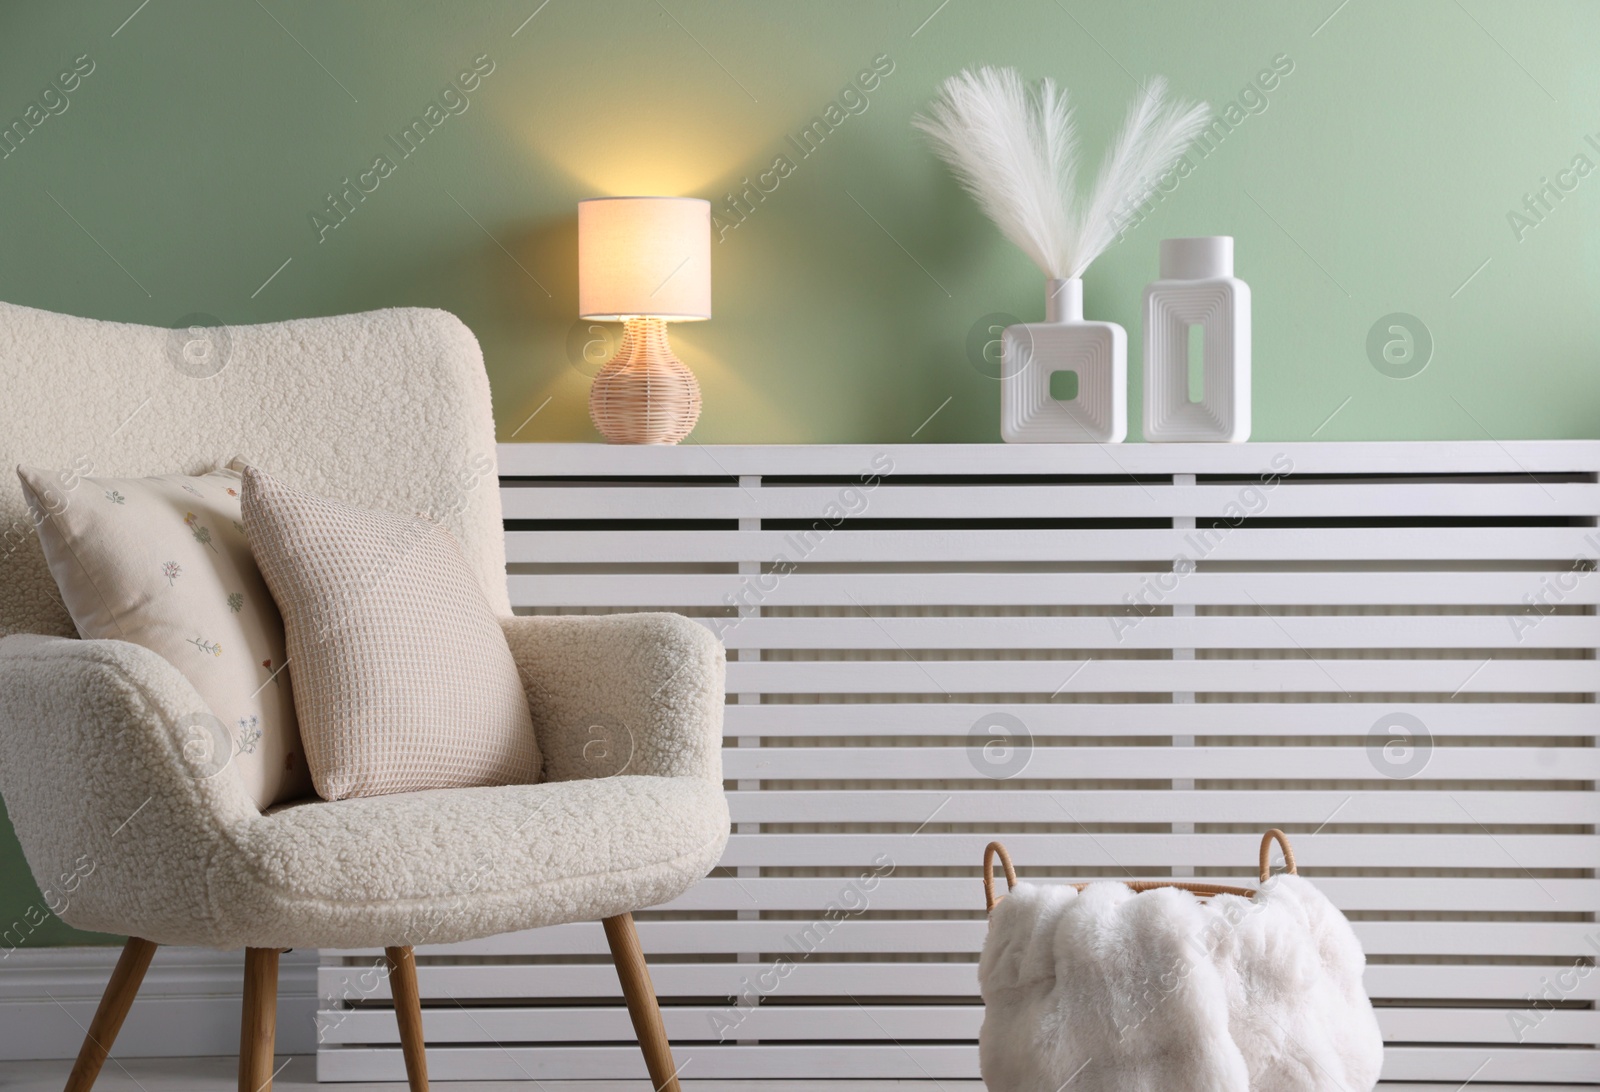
point(1015, 149)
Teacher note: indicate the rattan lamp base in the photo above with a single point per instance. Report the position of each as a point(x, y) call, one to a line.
point(644, 394)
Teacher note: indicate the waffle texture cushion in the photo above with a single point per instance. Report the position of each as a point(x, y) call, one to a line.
point(163, 562)
point(402, 677)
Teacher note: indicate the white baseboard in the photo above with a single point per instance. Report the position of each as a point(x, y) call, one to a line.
point(187, 1007)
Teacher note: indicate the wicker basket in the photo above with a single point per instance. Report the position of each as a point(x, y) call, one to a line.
point(1198, 888)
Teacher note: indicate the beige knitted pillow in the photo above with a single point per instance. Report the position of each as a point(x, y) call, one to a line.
point(401, 673)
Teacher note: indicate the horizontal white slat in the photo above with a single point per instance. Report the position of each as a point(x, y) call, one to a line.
point(1410, 1063)
point(856, 591)
point(1136, 763)
point(1117, 590)
point(694, 1024)
point(1090, 676)
point(940, 718)
point(1125, 500)
point(860, 936)
point(1147, 851)
point(1489, 1025)
point(923, 546)
point(1115, 632)
point(1469, 938)
point(687, 1026)
point(513, 1063)
point(1513, 458)
point(996, 809)
point(868, 980)
point(1445, 894)
point(716, 937)
point(914, 1062)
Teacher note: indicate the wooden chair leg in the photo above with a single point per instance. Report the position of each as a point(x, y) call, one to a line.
point(641, 998)
point(108, 1017)
point(258, 1027)
point(408, 1014)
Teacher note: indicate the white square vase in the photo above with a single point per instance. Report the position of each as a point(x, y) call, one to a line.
point(1197, 289)
point(1032, 352)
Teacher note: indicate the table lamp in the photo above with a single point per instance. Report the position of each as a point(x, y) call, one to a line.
point(644, 261)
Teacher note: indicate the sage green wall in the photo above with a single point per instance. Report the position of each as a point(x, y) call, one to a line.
point(1378, 176)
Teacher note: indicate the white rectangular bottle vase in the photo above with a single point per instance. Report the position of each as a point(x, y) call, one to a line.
point(1197, 289)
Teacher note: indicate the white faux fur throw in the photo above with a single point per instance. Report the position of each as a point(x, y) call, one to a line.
point(1115, 991)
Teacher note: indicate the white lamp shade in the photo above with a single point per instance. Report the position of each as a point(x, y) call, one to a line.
point(644, 256)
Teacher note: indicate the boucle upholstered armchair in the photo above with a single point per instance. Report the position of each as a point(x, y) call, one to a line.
point(391, 410)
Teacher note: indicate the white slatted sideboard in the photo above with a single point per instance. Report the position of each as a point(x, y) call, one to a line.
point(1124, 661)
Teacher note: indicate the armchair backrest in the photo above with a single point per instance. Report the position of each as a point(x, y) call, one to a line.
point(387, 409)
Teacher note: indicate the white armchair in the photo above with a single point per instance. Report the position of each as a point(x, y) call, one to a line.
point(388, 409)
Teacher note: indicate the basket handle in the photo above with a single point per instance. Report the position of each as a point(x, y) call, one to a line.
point(990, 852)
point(1266, 853)
point(995, 849)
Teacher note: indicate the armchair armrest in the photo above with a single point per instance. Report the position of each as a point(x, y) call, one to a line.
point(116, 799)
point(622, 693)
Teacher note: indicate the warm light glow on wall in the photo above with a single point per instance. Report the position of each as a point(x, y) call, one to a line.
point(643, 152)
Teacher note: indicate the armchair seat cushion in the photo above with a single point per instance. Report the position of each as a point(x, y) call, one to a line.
point(443, 865)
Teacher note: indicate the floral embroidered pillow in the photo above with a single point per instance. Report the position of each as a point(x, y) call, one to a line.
point(163, 562)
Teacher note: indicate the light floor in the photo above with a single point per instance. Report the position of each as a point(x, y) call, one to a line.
point(299, 1075)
